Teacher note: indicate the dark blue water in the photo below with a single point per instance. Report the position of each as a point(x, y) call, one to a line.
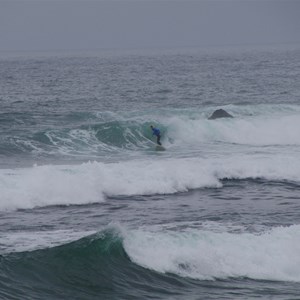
point(91, 210)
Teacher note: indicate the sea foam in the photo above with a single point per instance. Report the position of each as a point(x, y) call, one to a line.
point(92, 182)
point(247, 130)
point(206, 255)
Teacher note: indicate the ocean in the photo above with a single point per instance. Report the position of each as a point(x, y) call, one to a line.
point(89, 209)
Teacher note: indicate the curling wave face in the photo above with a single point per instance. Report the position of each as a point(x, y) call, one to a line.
point(117, 255)
point(96, 134)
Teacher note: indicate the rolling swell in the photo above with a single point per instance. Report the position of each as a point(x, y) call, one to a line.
point(92, 266)
point(142, 264)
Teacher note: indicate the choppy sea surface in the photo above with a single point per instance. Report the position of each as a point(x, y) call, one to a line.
point(89, 209)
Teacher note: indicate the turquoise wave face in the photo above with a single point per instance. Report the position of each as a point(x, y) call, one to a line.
point(92, 267)
point(77, 135)
point(82, 268)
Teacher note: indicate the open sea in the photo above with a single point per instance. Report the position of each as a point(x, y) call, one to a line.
point(89, 209)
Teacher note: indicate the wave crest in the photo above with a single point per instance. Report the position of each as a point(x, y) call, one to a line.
point(92, 182)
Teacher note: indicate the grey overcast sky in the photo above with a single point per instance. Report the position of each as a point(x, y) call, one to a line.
point(87, 24)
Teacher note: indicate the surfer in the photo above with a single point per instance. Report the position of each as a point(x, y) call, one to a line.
point(156, 132)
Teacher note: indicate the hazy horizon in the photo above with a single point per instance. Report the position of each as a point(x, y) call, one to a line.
point(91, 25)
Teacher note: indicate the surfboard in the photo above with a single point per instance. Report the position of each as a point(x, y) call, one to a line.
point(160, 148)
point(157, 147)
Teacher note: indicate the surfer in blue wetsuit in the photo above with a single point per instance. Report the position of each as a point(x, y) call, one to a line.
point(156, 132)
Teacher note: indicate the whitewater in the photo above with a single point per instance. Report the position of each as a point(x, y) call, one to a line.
point(250, 146)
point(90, 209)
